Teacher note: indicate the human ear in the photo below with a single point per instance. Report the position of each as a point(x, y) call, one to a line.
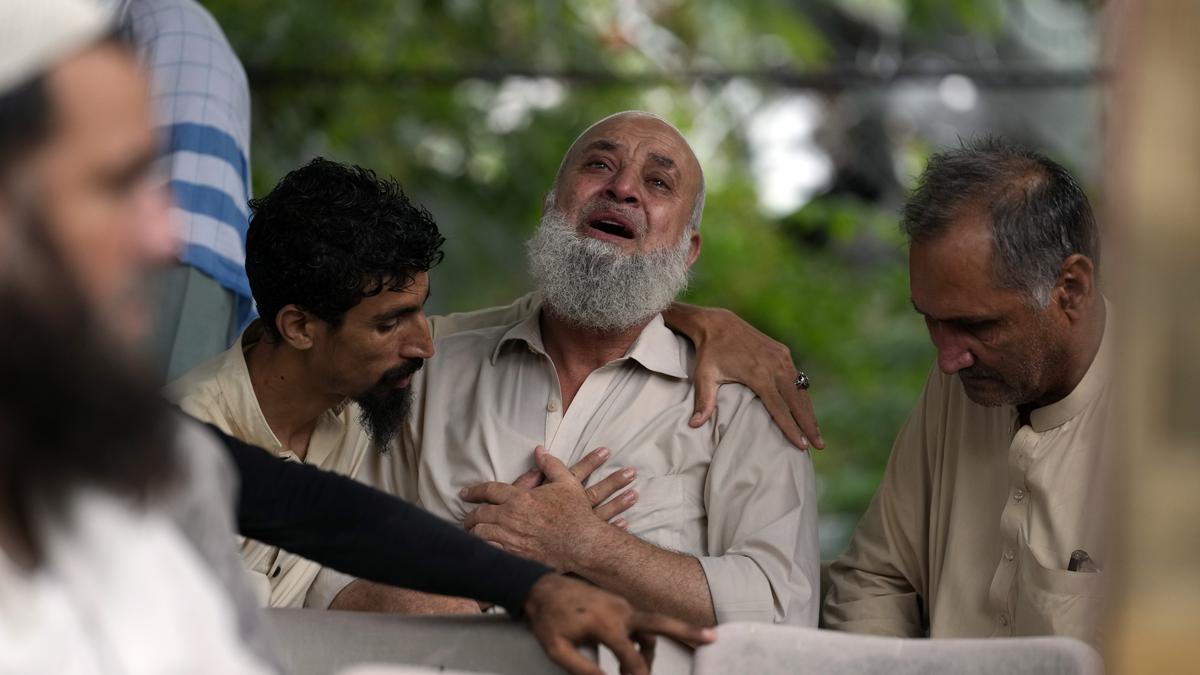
point(1076, 286)
point(296, 326)
point(694, 253)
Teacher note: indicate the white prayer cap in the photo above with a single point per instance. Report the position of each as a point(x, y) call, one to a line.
point(37, 34)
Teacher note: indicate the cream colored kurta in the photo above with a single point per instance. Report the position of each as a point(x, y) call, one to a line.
point(734, 493)
point(118, 590)
point(977, 517)
point(219, 392)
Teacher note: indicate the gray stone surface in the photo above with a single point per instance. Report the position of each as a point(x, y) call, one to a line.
point(322, 642)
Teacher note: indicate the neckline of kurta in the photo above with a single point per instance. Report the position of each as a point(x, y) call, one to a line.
point(1089, 388)
point(656, 348)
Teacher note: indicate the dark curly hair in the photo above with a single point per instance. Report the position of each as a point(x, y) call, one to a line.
point(331, 234)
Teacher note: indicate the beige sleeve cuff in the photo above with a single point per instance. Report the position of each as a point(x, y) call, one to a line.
point(739, 589)
point(325, 588)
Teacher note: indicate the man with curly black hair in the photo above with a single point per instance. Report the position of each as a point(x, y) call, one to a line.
point(338, 258)
point(327, 243)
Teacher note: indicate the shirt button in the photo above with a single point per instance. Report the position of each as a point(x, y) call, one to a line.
point(1008, 554)
point(276, 572)
point(1003, 619)
point(552, 406)
point(1018, 495)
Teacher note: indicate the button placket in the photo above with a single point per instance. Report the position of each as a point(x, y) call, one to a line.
point(1012, 520)
point(554, 419)
point(564, 427)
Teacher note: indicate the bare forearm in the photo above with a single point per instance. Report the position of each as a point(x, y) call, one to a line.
point(692, 320)
point(367, 596)
point(650, 577)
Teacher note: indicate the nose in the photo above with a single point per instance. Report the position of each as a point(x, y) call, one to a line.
point(953, 352)
point(623, 187)
point(157, 227)
point(421, 345)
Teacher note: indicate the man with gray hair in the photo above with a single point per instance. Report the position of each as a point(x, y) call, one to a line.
point(993, 515)
point(724, 527)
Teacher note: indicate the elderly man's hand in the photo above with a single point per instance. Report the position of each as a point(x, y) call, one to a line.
point(564, 613)
point(544, 524)
point(606, 509)
point(730, 350)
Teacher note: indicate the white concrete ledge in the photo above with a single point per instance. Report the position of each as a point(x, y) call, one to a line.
point(323, 642)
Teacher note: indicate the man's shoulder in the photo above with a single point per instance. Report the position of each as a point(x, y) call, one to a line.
point(478, 343)
point(197, 381)
point(198, 392)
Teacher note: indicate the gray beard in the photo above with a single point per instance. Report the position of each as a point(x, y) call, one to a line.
point(595, 285)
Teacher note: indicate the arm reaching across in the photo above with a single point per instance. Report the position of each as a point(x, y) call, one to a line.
point(730, 350)
point(364, 595)
point(343, 524)
point(349, 526)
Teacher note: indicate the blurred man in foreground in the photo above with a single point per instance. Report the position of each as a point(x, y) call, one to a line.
point(89, 557)
point(993, 517)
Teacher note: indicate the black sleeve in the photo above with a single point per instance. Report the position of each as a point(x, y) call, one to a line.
point(353, 528)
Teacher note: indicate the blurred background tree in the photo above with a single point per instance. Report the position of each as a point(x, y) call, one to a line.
point(810, 117)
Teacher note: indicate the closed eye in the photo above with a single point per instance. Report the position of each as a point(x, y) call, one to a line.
point(978, 328)
point(659, 183)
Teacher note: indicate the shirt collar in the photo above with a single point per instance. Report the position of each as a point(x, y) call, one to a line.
point(656, 348)
point(1089, 388)
point(233, 378)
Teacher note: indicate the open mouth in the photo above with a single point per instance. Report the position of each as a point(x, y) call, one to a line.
point(613, 225)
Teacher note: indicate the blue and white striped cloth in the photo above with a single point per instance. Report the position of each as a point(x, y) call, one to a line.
point(202, 99)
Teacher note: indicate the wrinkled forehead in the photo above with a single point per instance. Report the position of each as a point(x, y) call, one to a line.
point(648, 132)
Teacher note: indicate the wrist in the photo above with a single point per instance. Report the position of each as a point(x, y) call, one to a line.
point(588, 544)
point(697, 323)
point(542, 588)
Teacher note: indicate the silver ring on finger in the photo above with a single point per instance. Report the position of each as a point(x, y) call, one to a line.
point(802, 382)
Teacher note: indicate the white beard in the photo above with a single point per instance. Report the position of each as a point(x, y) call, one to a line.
point(594, 284)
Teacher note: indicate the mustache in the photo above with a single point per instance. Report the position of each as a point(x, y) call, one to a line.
point(601, 204)
point(978, 371)
point(400, 372)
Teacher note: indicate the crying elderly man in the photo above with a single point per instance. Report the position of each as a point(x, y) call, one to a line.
point(724, 527)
